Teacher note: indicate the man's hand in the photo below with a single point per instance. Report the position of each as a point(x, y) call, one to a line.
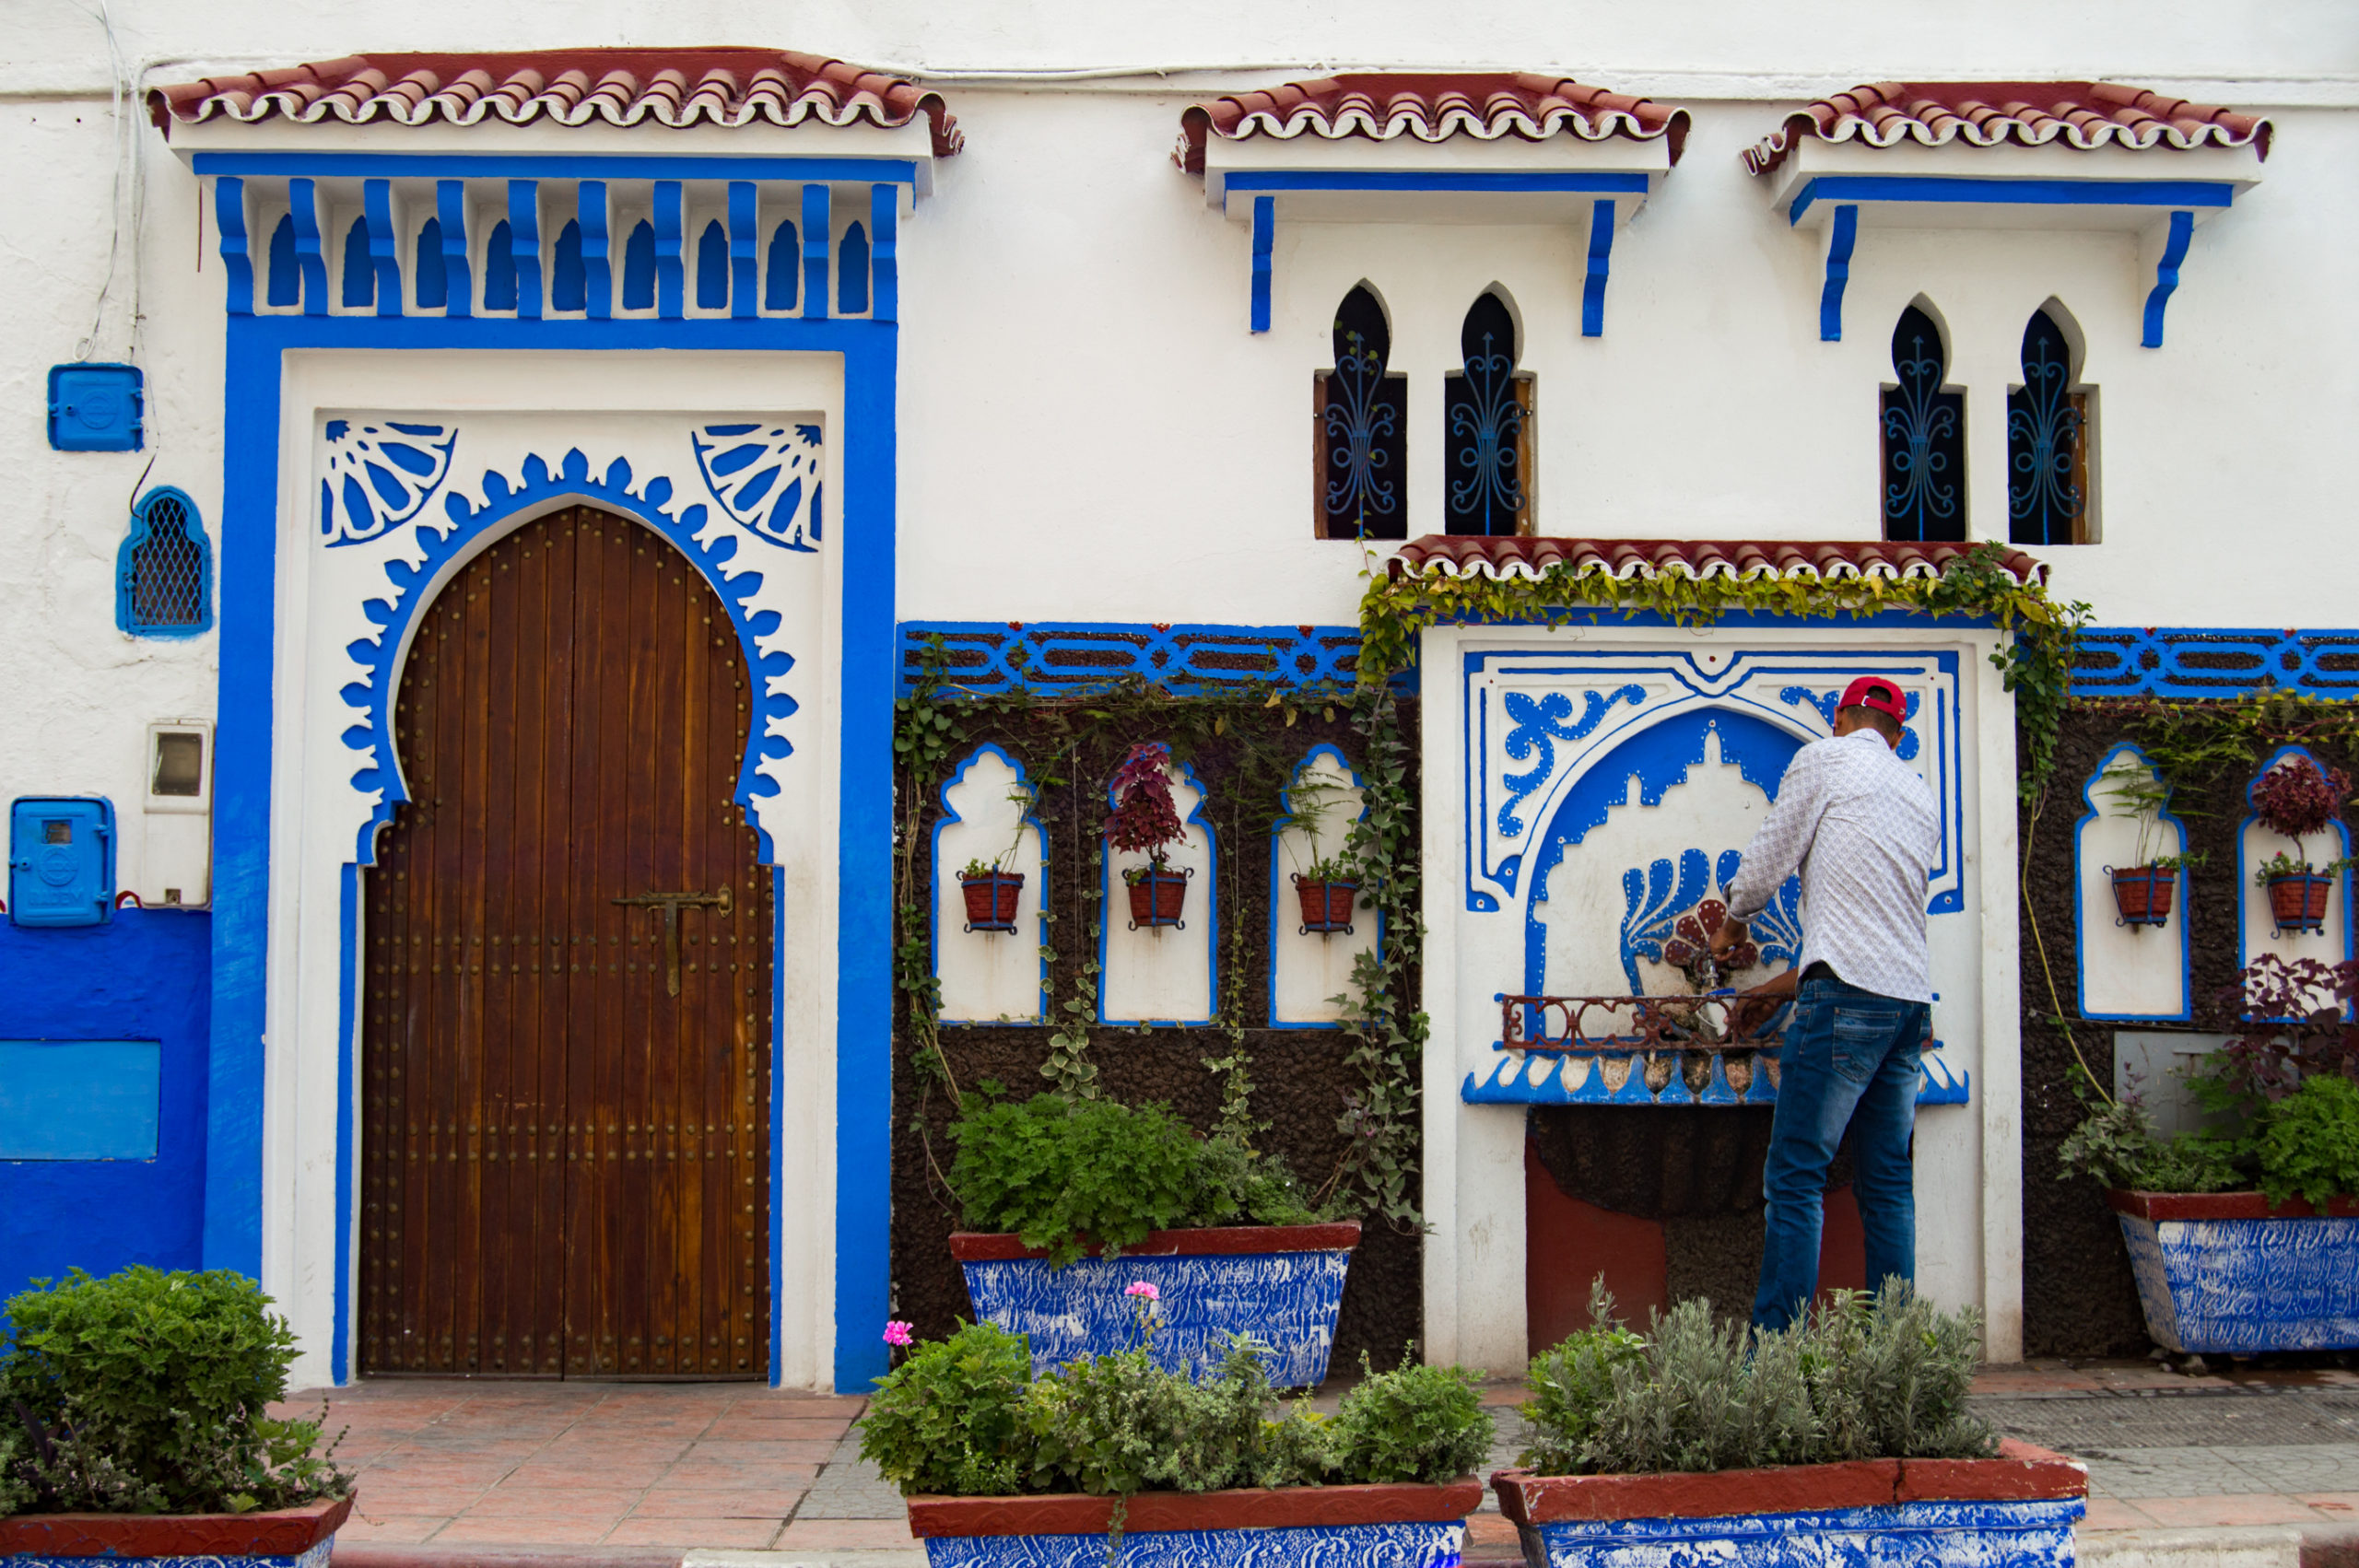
point(1753, 1007)
point(1731, 932)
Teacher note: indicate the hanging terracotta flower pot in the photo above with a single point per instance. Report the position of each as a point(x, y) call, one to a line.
point(1326, 905)
point(2297, 902)
point(1158, 895)
point(2142, 894)
point(991, 899)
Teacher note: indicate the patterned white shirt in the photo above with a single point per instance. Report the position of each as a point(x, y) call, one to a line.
point(1865, 830)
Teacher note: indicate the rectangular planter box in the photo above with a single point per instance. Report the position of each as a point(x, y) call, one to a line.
point(1304, 1526)
point(2224, 1274)
point(1282, 1284)
point(2016, 1511)
point(289, 1538)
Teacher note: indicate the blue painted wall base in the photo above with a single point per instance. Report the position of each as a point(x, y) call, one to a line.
point(2238, 1287)
point(1893, 1535)
point(1287, 1301)
point(1424, 1545)
point(144, 975)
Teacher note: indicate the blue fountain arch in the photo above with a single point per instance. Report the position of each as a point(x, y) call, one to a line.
point(1660, 757)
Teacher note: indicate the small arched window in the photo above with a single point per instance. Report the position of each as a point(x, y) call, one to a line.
point(851, 272)
point(1362, 429)
point(433, 272)
point(785, 269)
point(164, 571)
point(712, 269)
point(359, 277)
point(2047, 443)
point(1488, 427)
point(500, 268)
point(638, 268)
point(568, 279)
point(1924, 437)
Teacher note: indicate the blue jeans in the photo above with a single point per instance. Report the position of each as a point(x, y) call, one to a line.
point(1850, 1060)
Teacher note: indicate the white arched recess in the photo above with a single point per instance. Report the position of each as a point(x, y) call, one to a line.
point(1491, 812)
point(527, 434)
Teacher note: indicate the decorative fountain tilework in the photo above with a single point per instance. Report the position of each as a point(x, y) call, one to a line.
point(1423, 1544)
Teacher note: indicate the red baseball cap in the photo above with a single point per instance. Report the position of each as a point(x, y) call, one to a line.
point(1875, 691)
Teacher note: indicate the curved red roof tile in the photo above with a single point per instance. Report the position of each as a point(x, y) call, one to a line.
point(1432, 106)
point(1984, 114)
point(568, 87)
point(1825, 560)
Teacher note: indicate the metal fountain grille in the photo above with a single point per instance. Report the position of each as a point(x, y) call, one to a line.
point(165, 582)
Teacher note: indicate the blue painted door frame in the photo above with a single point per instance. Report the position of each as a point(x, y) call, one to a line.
point(248, 621)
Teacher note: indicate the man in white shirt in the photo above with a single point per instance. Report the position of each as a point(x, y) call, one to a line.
point(1865, 831)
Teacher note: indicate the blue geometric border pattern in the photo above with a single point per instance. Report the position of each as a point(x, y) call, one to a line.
point(651, 503)
point(1063, 658)
point(1426, 1544)
point(1511, 792)
point(2031, 1534)
point(2215, 661)
point(380, 477)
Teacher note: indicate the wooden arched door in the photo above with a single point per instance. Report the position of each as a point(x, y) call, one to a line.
point(566, 996)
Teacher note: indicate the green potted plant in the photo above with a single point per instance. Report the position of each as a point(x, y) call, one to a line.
point(1329, 887)
point(1700, 1440)
point(2243, 1237)
point(1068, 1202)
point(2298, 798)
point(1117, 1458)
point(990, 889)
point(2143, 890)
point(139, 1426)
point(1145, 821)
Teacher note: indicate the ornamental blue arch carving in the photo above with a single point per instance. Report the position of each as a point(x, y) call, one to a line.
point(2093, 795)
point(1037, 868)
point(1280, 903)
point(1111, 907)
point(1660, 756)
point(2248, 891)
point(507, 509)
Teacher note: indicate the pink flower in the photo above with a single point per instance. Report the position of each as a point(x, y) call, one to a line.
point(1144, 1291)
point(897, 1333)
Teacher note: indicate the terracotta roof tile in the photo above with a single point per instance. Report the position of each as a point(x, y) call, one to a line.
point(1431, 107)
point(1825, 559)
point(1984, 114)
point(571, 87)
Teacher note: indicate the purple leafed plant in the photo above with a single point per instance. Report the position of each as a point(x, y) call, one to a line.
point(2297, 1023)
point(2297, 798)
point(1144, 819)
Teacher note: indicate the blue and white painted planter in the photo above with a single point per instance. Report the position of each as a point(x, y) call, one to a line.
point(2015, 1511)
point(1326, 1527)
point(1282, 1284)
point(290, 1538)
point(2224, 1274)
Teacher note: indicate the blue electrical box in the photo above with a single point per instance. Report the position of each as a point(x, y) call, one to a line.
point(61, 860)
point(96, 408)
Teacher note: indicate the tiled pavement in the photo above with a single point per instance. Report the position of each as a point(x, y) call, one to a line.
point(643, 1470)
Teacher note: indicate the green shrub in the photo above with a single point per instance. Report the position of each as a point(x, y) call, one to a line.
point(946, 1420)
point(2309, 1142)
point(1115, 1425)
point(1063, 1173)
point(1865, 1377)
point(1414, 1424)
point(149, 1392)
point(2118, 1144)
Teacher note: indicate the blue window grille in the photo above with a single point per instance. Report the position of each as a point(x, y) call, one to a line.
point(1363, 434)
point(2048, 457)
point(1486, 412)
point(784, 270)
point(286, 277)
point(359, 277)
point(164, 571)
point(712, 269)
point(500, 268)
point(851, 272)
point(568, 279)
point(1924, 437)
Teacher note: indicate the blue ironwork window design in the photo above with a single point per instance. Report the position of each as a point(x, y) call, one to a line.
point(851, 272)
point(286, 279)
point(433, 273)
point(784, 271)
point(1924, 437)
point(638, 268)
point(1363, 430)
point(1488, 418)
point(2047, 457)
point(360, 278)
point(164, 572)
point(568, 279)
point(500, 268)
point(712, 268)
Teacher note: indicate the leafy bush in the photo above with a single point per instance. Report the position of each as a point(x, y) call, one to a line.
point(946, 1419)
point(962, 1416)
point(2310, 1142)
point(1063, 1173)
point(2298, 799)
point(1144, 817)
point(149, 1392)
point(1866, 1377)
point(2118, 1144)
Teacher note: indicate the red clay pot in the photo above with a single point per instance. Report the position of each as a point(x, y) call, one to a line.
point(286, 1532)
point(2142, 894)
point(990, 900)
point(2298, 902)
point(1239, 1509)
point(1326, 905)
point(1159, 897)
point(2020, 1473)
